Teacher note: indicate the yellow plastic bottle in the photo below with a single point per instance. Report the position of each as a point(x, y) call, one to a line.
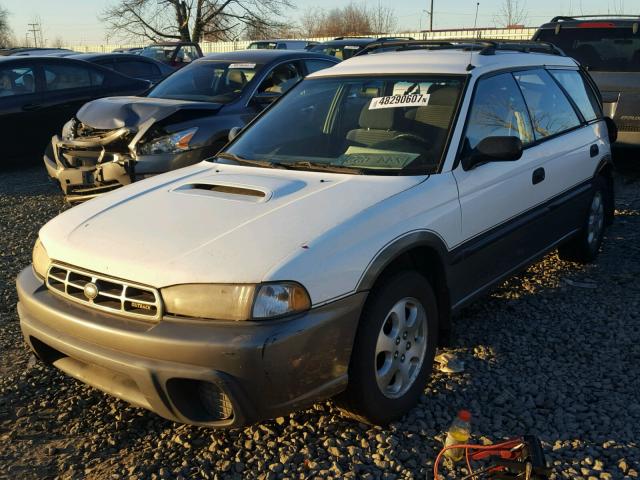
point(459, 432)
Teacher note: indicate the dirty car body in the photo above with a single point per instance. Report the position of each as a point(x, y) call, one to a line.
point(183, 120)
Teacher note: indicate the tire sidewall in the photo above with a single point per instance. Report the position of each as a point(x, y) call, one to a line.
point(374, 404)
point(599, 185)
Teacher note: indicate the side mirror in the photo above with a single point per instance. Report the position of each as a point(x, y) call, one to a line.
point(612, 129)
point(233, 133)
point(265, 98)
point(494, 149)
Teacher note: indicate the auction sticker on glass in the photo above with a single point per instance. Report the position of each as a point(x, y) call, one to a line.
point(393, 101)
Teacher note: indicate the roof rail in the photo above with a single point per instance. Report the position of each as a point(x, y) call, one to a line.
point(563, 18)
point(348, 37)
point(387, 39)
point(400, 45)
point(483, 47)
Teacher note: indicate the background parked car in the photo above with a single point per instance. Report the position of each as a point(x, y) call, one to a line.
point(609, 48)
point(183, 120)
point(281, 45)
point(133, 50)
point(346, 47)
point(39, 94)
point(136, 66)
point(21, 52)
point(174, 54)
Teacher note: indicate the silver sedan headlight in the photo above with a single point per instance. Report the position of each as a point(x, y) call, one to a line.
point(176, 142)
point(40, 260)
point(236, 301)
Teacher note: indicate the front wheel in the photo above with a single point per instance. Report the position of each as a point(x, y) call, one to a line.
point(584, 247)
point(393, 352)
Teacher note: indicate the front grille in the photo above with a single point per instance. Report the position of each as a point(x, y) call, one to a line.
point(110, 294)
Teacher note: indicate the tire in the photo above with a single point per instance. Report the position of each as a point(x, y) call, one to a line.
point(584, 247)
point(376, 395)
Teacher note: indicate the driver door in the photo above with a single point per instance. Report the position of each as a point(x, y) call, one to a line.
point(497, 199)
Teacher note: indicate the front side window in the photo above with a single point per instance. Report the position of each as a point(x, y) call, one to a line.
point(315, 65)
point(281, 78)
point(551, 113)
point(62, 77)
point(579, 91)
point(16, 81)
point(220, 82)
point(162, 53)
point(373, 125)
point(498, 110)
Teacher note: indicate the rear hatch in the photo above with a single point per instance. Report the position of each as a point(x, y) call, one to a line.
point(610, 50)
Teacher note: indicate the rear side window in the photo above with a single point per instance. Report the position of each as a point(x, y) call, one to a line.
point(16, 81)
point(62, 77)
point(599, 49)
point(579, 91)
point(551, 113)
point(498, 110)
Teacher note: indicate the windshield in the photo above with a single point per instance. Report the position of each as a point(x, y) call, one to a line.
point(378, 125)
point(342, 52)
point(262, 46)
point(599, 49)
point(220, 82)
point(162, 53)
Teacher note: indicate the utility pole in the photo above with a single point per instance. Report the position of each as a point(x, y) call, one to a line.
point(430, 12)
point(34, 30)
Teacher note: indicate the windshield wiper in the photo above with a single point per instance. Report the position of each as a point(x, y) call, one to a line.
point(246, 161)
point(324, 167)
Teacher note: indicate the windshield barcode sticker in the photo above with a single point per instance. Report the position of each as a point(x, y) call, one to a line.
point(392, 101)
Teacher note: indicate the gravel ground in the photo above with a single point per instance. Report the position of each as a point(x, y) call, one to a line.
point(554, 351)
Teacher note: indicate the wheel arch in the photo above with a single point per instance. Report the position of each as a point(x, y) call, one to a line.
point(424, 252)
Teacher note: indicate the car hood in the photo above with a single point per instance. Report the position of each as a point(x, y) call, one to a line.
point(117, 112)
point(211, 222)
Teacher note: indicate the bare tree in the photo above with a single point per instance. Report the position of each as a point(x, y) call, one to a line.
point(57, 42)
point(383, 19)
point(511, 12)
point(6, 36)
point(192, 20)
point(351, 19)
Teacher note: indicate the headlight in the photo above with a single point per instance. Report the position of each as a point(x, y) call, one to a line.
point(67, 130)
point(176, 142)
point(235, 302)
point(40, 260)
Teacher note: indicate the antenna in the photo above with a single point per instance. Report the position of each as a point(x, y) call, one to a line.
point(475, 23)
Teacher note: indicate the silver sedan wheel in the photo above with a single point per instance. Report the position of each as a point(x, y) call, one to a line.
point(596, 220)
point(401, 347)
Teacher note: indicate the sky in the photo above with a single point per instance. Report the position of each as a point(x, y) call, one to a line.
point(76, 21)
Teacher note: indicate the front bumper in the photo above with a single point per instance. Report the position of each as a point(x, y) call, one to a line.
point(257, 370)
point(86, 172)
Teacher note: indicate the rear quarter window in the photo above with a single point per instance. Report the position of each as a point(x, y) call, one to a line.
point(579, 91)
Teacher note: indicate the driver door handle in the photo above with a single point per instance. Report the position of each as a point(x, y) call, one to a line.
point(538, 176)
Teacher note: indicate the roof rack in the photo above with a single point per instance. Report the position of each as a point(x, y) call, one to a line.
point(483, 47)
point(349, 38)
point(562, 18)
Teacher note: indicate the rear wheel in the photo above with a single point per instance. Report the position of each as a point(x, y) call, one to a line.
point(585, 246)
point(393, 352)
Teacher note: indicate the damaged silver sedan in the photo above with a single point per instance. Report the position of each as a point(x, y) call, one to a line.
point(183, 120)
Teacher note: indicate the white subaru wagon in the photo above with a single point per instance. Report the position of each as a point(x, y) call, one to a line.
point(323, 251)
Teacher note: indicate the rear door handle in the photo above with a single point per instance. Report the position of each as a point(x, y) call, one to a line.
point(594, 150)
point(538, 175)
point(29, 107)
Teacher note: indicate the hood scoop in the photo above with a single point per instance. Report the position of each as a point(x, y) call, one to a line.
point(226, 191)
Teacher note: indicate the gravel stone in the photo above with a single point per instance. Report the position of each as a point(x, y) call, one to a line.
point(545, 353)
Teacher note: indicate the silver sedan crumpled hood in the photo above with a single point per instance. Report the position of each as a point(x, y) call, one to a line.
point(116, 112)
